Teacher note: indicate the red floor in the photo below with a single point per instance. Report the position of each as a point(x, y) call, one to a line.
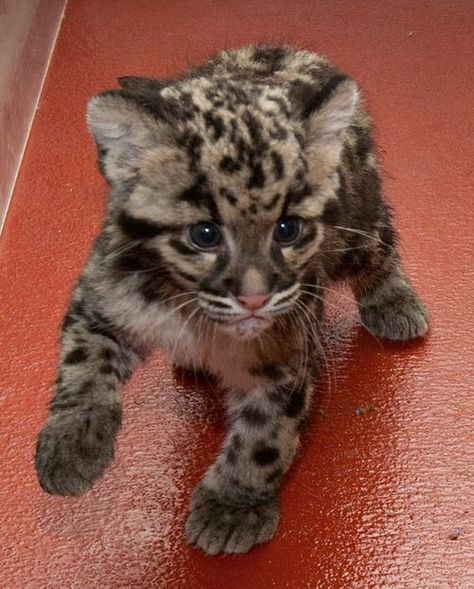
point(375, 498)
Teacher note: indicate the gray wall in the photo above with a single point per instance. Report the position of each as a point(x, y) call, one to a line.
point(28, 30)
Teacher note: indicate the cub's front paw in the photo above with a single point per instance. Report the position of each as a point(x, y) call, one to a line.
point(74, 449)
point(218, 524)
point(400, 319)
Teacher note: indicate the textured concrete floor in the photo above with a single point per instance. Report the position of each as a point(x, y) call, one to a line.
point(374, 497)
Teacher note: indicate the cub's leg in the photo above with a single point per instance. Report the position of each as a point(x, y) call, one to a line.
point(235, 506)
point(77, 441)
point(388, 304)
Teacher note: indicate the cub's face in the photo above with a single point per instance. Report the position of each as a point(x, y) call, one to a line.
point(228, 202)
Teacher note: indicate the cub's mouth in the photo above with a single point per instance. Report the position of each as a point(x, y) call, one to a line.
point(246, 327)
point(245, 317)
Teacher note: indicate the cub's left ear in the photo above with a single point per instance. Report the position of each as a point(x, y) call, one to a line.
point(328, 113)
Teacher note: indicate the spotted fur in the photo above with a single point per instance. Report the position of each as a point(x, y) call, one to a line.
point(254, 137)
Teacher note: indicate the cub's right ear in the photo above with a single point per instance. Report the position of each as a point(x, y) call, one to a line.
point(123, 130)
point(138, 85)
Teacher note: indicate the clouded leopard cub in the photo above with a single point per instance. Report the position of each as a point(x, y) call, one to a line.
point(238, 192)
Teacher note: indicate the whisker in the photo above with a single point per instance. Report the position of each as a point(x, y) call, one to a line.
point(317, 297)
point(342, 249)
point(303, 345)
point(204, 333)
point(119, 251)
point(343, 311)
point(180, 334)
point(317, 341)
point(168, 315)
point(181, 294)
point(364, 234)
point(145, 271)
point(302, 367)
point(199, 338)
point(300, 328)
point(336, 292)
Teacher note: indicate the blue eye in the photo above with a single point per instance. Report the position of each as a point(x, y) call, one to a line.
point(205, 235)
point(287, 230)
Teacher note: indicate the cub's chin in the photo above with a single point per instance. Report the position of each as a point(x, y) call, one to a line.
point(246, 328)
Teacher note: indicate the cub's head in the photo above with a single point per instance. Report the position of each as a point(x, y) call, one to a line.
point(220, 189)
